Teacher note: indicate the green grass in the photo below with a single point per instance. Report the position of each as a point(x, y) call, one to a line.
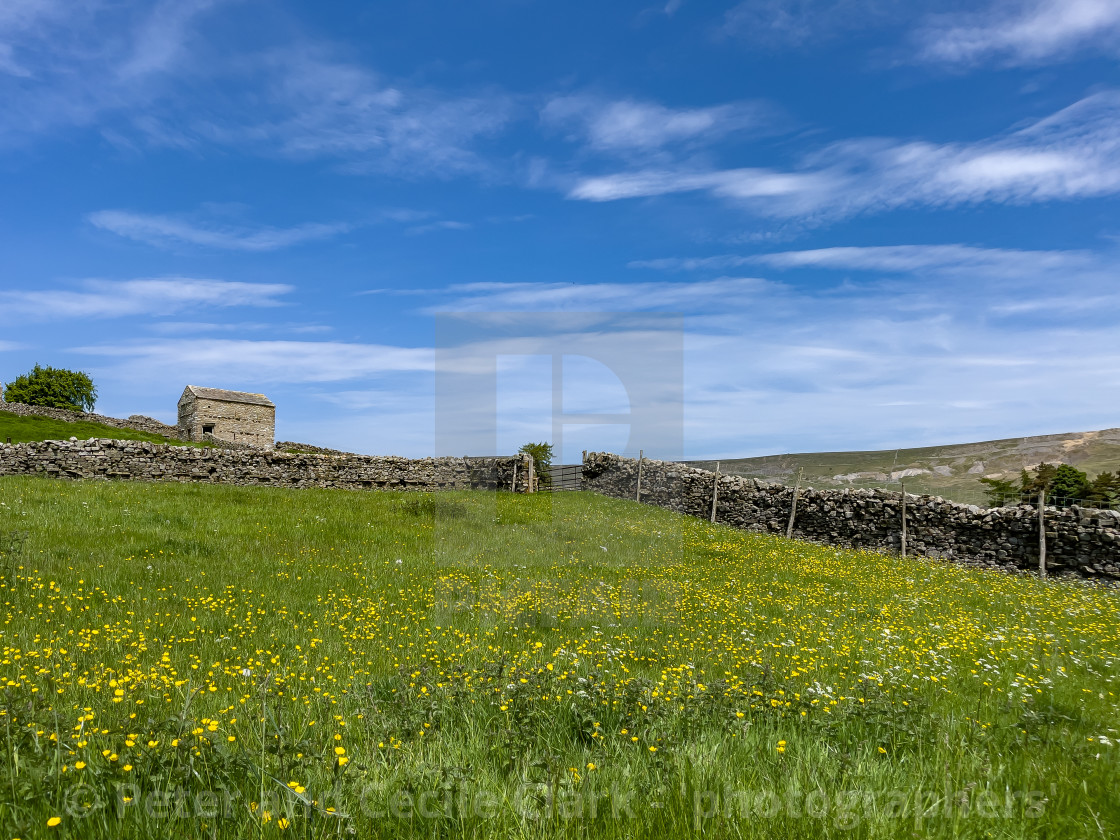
point(507, 666)
point(29, 429)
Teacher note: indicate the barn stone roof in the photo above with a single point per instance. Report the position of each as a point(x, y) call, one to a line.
point(227, 396)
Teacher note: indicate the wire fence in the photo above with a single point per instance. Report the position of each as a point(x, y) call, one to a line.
point(1056, 500)
point(785, 473)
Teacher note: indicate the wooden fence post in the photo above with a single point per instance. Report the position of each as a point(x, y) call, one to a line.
point(1042, 533)
point(532, 476)
point(638, 492)
point(513, 484)
point(715, 492)
point(903, 486)
point(793, 506)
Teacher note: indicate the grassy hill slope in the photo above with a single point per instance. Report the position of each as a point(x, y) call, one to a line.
point(28, 429)
point(952, 471)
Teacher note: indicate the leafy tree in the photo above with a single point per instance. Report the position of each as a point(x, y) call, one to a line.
point(1000, 491)
point(1068, 486)
point(1104, 490)
point(541, 453)
point(1064, 485)
point(53, 388)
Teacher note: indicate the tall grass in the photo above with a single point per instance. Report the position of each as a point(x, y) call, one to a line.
point(182, 660)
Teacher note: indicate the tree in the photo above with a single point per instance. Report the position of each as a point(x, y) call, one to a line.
point(53, 388)
point(541, 453)
point(1064, 485)
point(1000, 491)
point(1104, 490)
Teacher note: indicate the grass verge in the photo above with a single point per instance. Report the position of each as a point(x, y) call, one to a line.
point(30, 429)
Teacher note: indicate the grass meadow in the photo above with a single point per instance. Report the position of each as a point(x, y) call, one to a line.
point(204, 661)
point(20, 429)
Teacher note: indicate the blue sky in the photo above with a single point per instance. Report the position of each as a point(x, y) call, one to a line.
point(884, 223)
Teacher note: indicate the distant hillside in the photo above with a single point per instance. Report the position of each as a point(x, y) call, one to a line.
point(23, 429)
point(951, 471)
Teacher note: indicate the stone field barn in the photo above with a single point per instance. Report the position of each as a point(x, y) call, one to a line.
point(234, 416)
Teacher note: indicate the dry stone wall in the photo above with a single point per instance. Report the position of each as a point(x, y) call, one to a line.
point(140, 460)
point(292, 446)
point(1079, 540)
point(136, 422)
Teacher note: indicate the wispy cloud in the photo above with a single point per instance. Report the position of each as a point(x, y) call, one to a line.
point(59, 70)
point(625, 126)
point(447, 224)
point(775, 24)
point(162, 38)
point(196, 328)
point(1074, 153)
point(601, 297)
point(1023, 32)
point(168, 230)
point(158, 82)
point(299, 101)
point(1031, 271)
point(116, 299)
point(1006, 262)
point(240, 360)
point(787, 190)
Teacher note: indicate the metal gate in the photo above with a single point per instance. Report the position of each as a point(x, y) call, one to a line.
point(564, 477)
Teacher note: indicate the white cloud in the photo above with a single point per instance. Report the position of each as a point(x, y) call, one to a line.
point(116, 299)
point(145, 76)
point(436, 226)
point(1003, 282)
point(301, 102)
point(161, 39)
point(787, 189)
point(627, 125)
point(80, 63)
point(242, 360)
point(167, 230)
point(198, 327)
point(1074, 153)
point(1005, 262)
point(601, 297)
point(1024, 32)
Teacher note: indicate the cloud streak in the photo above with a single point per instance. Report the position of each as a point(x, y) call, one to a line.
point(300, 102)
point(1072, 154)
point(601, 297)
point(157, 83)
point(1021, 33)
point(118, 299)
point(261, 361)
point(624, 126)
point(166, 231)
